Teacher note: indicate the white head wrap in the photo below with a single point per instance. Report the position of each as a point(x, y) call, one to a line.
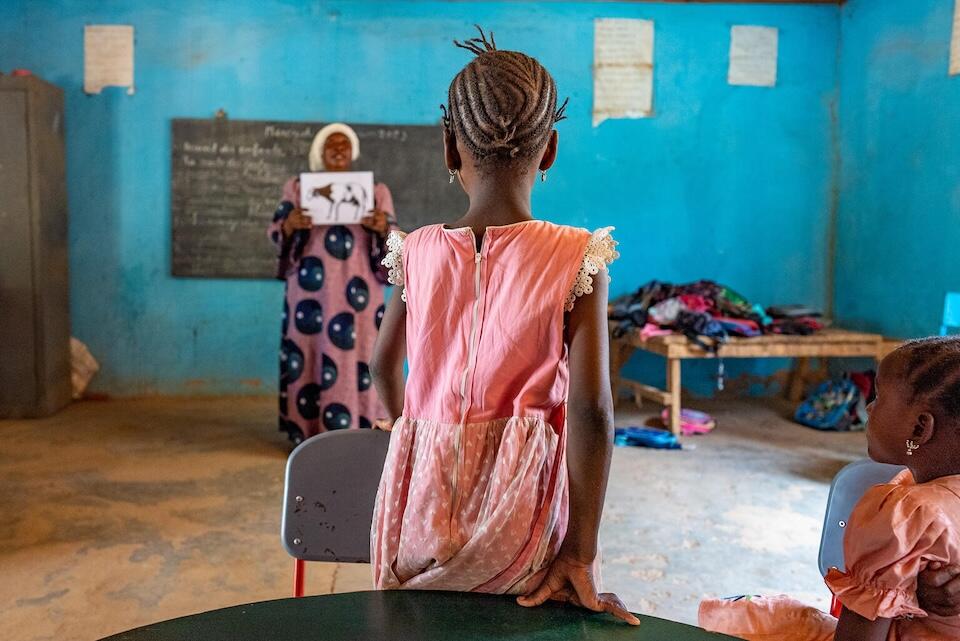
point(316, 148)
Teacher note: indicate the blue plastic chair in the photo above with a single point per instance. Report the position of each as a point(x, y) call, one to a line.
point(328, 497)
point(951, 314)
point(846, 490)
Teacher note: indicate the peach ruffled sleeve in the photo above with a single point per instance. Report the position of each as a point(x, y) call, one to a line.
point(895, 531)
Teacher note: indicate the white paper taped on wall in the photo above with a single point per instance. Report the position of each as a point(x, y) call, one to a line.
point(753, 56)
point(955, 41)
point(622, 69)
point(107, 57)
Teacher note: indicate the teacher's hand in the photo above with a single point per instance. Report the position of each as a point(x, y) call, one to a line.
point(295, 221)
point(378, 222)
point(384, 424)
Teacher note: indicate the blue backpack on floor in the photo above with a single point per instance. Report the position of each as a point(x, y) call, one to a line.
point(834, 406)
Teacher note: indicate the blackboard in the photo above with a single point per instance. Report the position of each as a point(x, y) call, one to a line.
point(227, 176)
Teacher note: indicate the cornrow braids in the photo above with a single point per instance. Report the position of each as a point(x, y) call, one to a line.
point(931, 367)
point(503, 104)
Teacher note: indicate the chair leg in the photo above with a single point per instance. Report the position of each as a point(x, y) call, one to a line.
point(836, 608)
point(299, 570)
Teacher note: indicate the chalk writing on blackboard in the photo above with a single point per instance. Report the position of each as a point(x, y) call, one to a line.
point(227, 177)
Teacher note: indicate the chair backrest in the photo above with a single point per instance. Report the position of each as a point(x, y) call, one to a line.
point(848, 487)
point(329, 492)
point(951, 313)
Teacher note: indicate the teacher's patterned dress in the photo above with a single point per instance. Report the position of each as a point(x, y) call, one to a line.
point(332, 309)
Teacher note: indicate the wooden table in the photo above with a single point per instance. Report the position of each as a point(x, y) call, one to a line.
point(829, 343)
point(407, 616)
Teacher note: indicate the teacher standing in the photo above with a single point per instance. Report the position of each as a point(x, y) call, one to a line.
point(333, 302)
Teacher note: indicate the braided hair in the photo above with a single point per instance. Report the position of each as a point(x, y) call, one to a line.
point(502, 105)
point(932, 370)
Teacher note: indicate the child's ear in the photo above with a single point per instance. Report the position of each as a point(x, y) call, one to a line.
point(451, 154)
point(924, 428)
point(550, 151)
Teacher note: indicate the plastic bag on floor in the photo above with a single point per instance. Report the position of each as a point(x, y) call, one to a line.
point(646, 437)
point(83, 366)
point(692, 422)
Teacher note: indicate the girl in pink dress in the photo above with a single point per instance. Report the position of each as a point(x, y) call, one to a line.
point(498, 461)
point(897, 530)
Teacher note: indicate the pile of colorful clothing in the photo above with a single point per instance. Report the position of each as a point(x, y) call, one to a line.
point(707, 313)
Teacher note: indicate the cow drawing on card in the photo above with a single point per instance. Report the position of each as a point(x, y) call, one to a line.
point(336, 202)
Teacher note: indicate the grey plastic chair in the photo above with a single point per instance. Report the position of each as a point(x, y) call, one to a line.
point(848, 487)
point(329, 492)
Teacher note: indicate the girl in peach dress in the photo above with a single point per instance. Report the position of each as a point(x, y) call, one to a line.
point(497, 468)
point(897, 530)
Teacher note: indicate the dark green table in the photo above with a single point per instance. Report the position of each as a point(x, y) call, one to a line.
point(406, 616)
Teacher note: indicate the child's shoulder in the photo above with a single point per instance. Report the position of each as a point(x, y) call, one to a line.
point(904, 500)
point(426, 231)
point(577, 243)
point(944, 494)
point(569, 230)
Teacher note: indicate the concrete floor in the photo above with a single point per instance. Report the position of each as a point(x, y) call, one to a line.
point(118, 514)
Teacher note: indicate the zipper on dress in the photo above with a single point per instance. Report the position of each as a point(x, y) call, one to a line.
point(471, 354)
point(478, 258)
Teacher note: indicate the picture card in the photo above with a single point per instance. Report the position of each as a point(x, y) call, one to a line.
point(336, 197)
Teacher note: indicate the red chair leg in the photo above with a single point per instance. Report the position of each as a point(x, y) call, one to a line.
point(299, 570)
point(836, 608)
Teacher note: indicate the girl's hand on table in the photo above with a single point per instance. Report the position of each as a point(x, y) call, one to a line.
point(572, 581)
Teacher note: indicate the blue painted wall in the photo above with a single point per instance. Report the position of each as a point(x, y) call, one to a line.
point(730, 183)
point(898, 232)
point(12, 31)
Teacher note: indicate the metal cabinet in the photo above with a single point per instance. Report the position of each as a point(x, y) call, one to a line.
point(34, 279)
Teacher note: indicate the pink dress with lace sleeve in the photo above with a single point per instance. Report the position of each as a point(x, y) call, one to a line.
point(474, 490)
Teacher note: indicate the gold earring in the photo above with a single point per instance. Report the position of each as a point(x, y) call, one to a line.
point(911, 446)
point(453, 174)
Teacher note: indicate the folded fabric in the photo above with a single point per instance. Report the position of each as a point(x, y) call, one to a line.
point(803, 326)
point(666, 312)
point(792, 311)
point(740, 326)
point(777, 618)
point(696, 303)
point(650, 330)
